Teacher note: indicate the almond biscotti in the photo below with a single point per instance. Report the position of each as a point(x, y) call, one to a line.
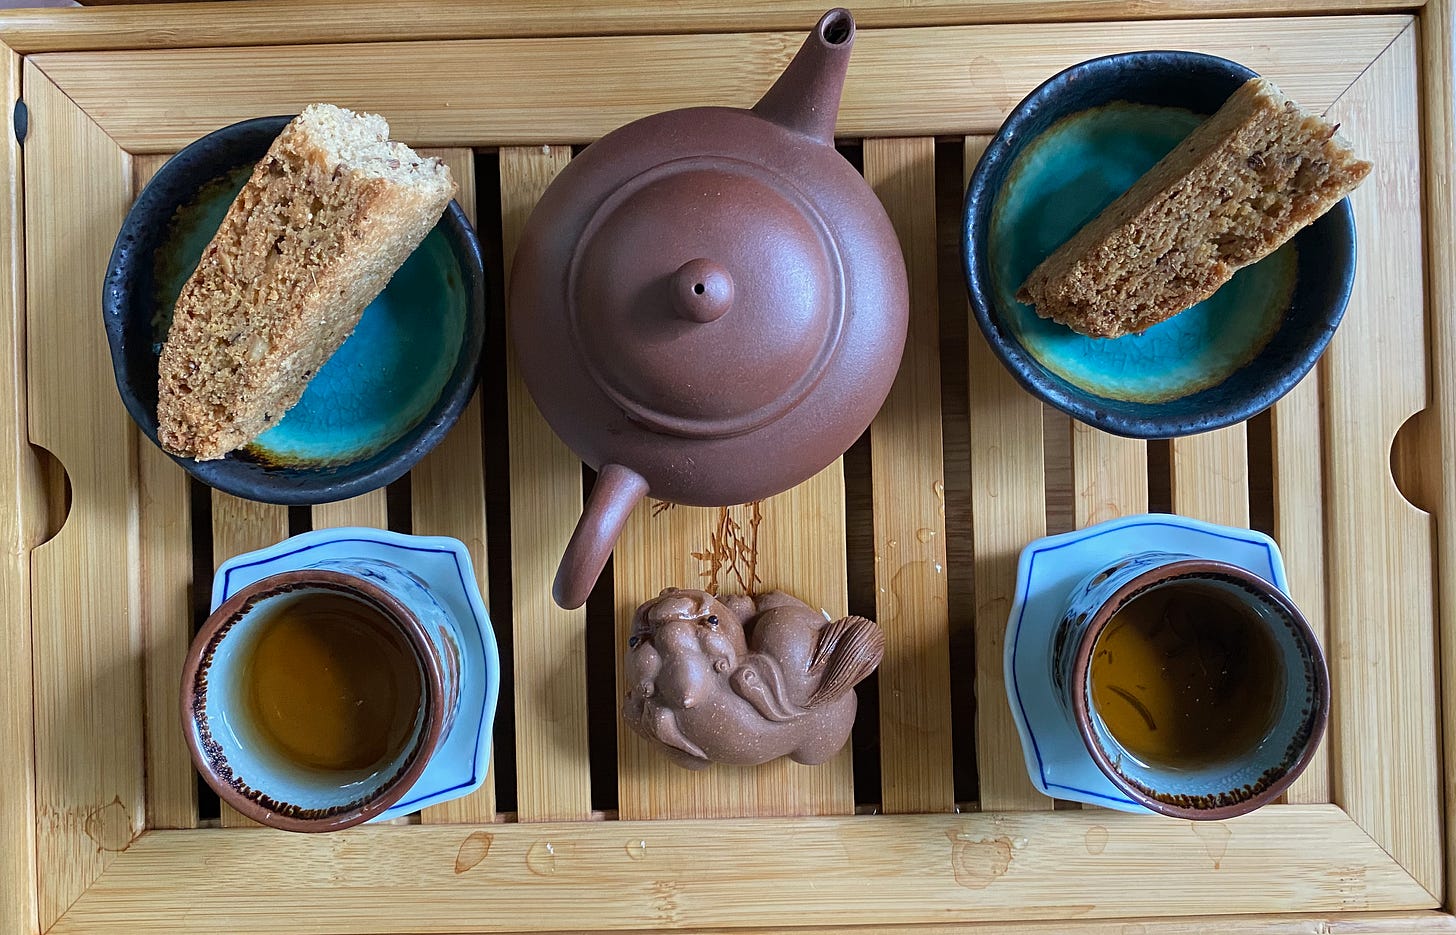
point(1244, 182)
point(327, 217)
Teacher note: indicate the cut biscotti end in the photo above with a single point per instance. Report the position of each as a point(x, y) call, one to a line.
point(1242, 184)
point(328, 215)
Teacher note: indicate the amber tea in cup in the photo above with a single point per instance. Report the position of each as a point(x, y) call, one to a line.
point(329, 683)
point(1198, 687)
point(1184, 676)
point(314, 699)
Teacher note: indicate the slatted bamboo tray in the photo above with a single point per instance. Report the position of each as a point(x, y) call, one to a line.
point(927, 822)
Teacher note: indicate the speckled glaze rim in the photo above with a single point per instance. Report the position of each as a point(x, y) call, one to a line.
point(201, 162)
point(1312, 730)
point(990, 172)
point(194, 698)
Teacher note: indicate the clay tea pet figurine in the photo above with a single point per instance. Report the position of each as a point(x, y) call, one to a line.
point(743, 681)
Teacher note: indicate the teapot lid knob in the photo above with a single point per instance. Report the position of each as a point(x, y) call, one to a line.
point(702, 291)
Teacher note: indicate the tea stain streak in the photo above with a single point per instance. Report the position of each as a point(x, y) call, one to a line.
point(1215, 837)
point(978, 863)
point(733, 549)
point(109, 826)
point(473, 850)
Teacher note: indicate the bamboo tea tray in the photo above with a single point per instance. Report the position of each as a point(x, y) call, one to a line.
point(928, 818)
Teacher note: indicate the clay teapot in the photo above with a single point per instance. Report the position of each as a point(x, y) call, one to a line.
point(709, 304)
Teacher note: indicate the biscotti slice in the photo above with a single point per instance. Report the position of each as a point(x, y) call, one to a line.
point(1242, 183)
point(327, 217)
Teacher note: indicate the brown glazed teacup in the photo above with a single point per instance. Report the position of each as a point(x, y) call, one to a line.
point(271, 702)
point(1198, 687)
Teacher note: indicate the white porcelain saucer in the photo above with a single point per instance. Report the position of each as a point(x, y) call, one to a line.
point(1050, 568)
point(443, 566)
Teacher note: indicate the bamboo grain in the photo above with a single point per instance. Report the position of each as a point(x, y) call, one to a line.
point(1425, 922)
point(553, 774)
point(1008, 510)
point(368, 509)
point(258, 22)
point(659, 875)
point(86, 635)
point(1211, 476)
point(1299, 501)
point(794, 542)
point(908, 482)
point(1109, 475)
point(19, 488)
point(902, 82)
point(447, 498)
point(1380, 563)
point(1438, 96)
point(240, 526)
point(165, 517)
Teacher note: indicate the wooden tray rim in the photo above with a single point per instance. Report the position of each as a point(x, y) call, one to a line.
point(22, 492)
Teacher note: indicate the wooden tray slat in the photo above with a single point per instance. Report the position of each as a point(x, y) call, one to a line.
point(1299, 501)
point(552, 767)
point(1109, 479)
point(240, 526)
point(1211, 476)
point(369, 509)
point(908, 479)
point(674, 874)
point(1109, 475)
point(1380, 562)
point(447, 498)
point(1008, 510)
point(902, 82)
point(86, 635)
point(793, 542)
point(165, 516)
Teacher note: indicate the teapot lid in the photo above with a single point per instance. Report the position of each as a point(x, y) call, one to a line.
point(706, 296)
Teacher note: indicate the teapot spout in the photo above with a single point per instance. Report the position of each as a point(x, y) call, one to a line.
point(806, 96)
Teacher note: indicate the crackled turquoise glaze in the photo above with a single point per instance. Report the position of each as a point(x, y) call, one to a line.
point(385, 377)
point(1062, 180)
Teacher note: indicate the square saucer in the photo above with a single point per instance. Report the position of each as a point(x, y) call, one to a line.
point(1056, 758)
point(443, 566)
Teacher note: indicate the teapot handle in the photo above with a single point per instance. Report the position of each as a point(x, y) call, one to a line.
point(616, 492)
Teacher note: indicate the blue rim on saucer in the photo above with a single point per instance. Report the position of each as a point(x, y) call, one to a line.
point(385, 398)
point(1057, 760)
point(443, 566)
point(1065, 152)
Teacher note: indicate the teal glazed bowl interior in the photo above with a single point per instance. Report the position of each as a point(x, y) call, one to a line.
point(385, 398)
point(1066, 152)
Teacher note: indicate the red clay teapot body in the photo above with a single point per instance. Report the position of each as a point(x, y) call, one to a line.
point(709, 304)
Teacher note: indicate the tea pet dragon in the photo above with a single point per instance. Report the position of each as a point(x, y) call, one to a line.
point(743, 681)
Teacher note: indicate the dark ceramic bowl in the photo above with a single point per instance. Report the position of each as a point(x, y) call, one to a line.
point(385, 398)
point(1066, 152)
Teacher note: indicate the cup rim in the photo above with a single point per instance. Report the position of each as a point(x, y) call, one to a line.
point(1317, 720)
point(230, 612)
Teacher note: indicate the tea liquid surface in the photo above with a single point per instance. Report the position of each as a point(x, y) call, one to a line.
point(331, 684)
point(1185, 676)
